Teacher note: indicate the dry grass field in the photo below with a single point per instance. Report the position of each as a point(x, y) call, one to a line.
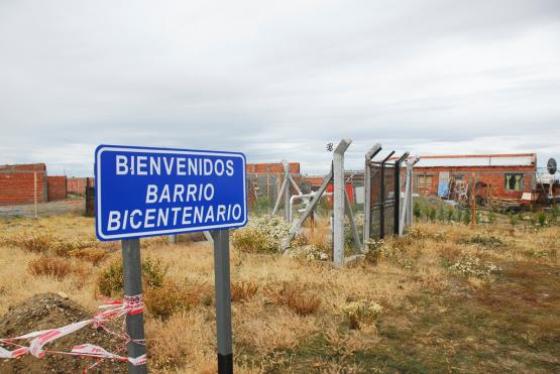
point(447, 298)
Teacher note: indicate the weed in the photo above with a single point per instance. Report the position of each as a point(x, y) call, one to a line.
point(252, 240)
point(471, 266)
point(110, 280)
point(295, 298)
point(93, 255)
point(50, 266)
point(361, 312)
point(484, 241)
point(36, 243)
point(243, 290)
point(541, 217)
point(163, 301)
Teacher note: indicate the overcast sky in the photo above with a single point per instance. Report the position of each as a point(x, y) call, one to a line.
point(277, 79)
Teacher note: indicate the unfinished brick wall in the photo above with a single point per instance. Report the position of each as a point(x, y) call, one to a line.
point(20, 183)
point(77, 186)
point(56, 187)
point(273, 168)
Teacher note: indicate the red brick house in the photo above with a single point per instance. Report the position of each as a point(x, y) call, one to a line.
point(505, 177)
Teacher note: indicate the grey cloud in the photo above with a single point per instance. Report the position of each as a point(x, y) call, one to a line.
point(276, 80)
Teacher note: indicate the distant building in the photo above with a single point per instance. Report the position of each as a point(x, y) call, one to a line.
point(505, 177)
point(27, 183)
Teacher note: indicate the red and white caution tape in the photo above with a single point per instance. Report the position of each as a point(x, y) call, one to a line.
point(112, 310)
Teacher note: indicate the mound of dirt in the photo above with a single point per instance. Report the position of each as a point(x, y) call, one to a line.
point(46, 311)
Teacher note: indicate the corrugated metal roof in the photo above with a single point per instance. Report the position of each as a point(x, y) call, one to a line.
point(477, 160)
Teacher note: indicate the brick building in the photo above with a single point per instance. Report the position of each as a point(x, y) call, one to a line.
point(25, 183)
point(506, 177)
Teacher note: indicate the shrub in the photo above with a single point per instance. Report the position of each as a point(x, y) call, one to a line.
point(432, 214)
point(243, 290)
point(163, 301)
point(251, 239)
point(361, 312)
point(492, 217)
point(483, 240)
point(471, 266)
point(374, 250)
point(295, 298)
point(36, 244)
point(513, 219)
point(110, 280)
point(541, 217)
point(50, 266)
point(417, 210)
point(93, 255)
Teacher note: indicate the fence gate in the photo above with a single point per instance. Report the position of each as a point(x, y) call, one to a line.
point(386, 181)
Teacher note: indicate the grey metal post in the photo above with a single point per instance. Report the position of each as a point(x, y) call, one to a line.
point(286, 191)
point(296, 225)
point(132, 275)
point(406, 205)
point(172, 239)
point(223, 301)
point(382, 197)
point(279, 197)
point(338, 209)
point(367, 189)
point(397, 210)
point(411, 190)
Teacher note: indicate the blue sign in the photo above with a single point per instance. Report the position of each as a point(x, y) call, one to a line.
point(142, 191)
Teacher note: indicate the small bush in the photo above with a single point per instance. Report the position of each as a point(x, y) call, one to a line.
point(295, 298)
point(251, 239)
point(110, 280)
point(36, 244)
point(163, 301)
point(361, 312)
point(243, 290)
point(374, 250)
point(93, 255)
point(484, 241)
point(541, 217)
point(50, 266)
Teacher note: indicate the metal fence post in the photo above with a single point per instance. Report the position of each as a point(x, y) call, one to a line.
point(223, 301)
point(132, 275)
point(286, 191)
point(338, 208)
point(367, 190)
point(396, 228)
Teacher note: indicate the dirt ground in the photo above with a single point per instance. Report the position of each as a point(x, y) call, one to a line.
point(447, 298)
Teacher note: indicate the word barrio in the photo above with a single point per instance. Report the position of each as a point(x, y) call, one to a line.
point(149, 191)
point(141, 191)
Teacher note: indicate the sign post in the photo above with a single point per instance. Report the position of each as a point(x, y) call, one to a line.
point(132, 274)
point(143, 191)
point(223, 301)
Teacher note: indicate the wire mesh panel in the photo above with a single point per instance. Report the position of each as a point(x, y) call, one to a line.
point(383, 195)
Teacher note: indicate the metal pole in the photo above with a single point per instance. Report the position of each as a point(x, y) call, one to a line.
point(396, 228)
point(338, 206)
point(367, 189)
point(132, 274)
point(286, 191)
point(397, 195)
point(223, 301)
